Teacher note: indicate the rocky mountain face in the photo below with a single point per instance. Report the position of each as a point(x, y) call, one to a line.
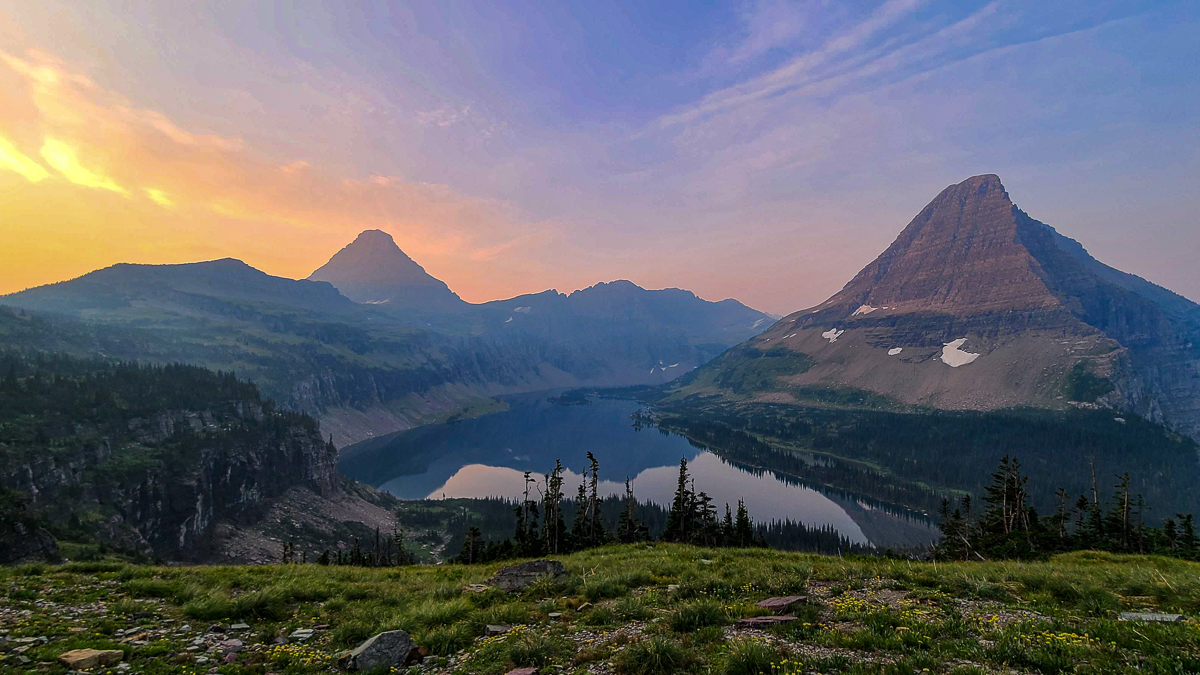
point(150, 460)
point(976, 305)
point(373, 270)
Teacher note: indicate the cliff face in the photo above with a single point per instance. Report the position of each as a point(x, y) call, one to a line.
point(86, 452)
point(976, 305)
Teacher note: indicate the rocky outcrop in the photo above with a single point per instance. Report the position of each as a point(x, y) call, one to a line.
point(22, 543)
point(515, 578)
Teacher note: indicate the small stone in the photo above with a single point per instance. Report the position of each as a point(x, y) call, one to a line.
point(240, 626)
point(201, 660)
point(476, 588)
point(231, 658)
point(671, 588)
point(232, 646)
point(523, 671)
point(186, 628)
point(554, 616)
point(216, 628)
point(706, 561)
point(498, 629)
point(301, 634)
point(83, 659)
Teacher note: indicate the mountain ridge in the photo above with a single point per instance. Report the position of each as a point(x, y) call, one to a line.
point(976, 305)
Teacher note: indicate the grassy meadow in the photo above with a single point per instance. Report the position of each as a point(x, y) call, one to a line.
point(626, 610)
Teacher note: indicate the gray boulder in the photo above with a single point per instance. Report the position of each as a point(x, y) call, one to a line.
point(516, 577)
point(391, 648)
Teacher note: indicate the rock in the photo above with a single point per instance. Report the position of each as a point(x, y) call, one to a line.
point(391, 648)
point(671, 588)
point(497, 630)
point(476, 588)
point(216, 628)
point(517, 577)
point(240, 626)
point(230, 657)
point(232, 646)
point(302, 634)
point(280, 641)
point(83, 659)
point(782, 604)
point(554, 616)
point(523, 671)
point(1157, 618)
point(764, 621)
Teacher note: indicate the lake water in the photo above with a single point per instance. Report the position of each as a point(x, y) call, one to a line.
point(487, 457)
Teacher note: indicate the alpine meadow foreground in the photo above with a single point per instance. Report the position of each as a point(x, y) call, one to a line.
point(629, 610)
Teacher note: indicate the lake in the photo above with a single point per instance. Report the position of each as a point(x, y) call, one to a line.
point(487, 457)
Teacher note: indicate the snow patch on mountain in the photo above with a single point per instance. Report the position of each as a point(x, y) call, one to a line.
point(955, 357)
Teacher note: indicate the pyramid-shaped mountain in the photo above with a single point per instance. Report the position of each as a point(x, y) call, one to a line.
point(978, 306)
point(373, 270)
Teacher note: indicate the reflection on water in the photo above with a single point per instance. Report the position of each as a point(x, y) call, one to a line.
point(487, 457)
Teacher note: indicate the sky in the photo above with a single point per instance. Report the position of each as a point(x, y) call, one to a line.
point(762, 150)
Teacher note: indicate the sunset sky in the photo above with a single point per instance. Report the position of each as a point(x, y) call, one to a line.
point(757, 150)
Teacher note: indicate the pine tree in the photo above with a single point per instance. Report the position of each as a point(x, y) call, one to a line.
point(681, 508)
point(554, 529)
point(743, 529)
point(629, 530)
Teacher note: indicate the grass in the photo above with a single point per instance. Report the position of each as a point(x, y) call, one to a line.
point(633, 609)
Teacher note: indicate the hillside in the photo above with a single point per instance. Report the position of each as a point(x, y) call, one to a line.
point(165, 462)
point(625, 610)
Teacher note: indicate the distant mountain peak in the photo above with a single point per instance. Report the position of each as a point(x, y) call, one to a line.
point(372, 269)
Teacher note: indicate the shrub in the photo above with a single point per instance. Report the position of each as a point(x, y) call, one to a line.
point(749, 657)
point(446, 640)
point(632, 609)
point(655, 656)
point(697, 614)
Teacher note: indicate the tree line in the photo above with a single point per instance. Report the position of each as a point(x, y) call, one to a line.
point(541, 520)
point(1008, 527)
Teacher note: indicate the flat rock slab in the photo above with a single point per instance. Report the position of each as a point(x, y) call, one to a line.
point(523, 671)
point(391, 648)
point(783, 604)
point(764, 621)
point(83, 659)
point(516, 577)
point(1159, 618)
point(498, 629)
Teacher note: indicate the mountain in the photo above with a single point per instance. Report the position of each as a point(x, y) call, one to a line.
point(366, 369)
point(978, 306)
point(373, 270)
point(129, 287)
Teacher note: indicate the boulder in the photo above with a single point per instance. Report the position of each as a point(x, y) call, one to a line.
point(391, 648)
point(84, 659)
point(516, 577)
